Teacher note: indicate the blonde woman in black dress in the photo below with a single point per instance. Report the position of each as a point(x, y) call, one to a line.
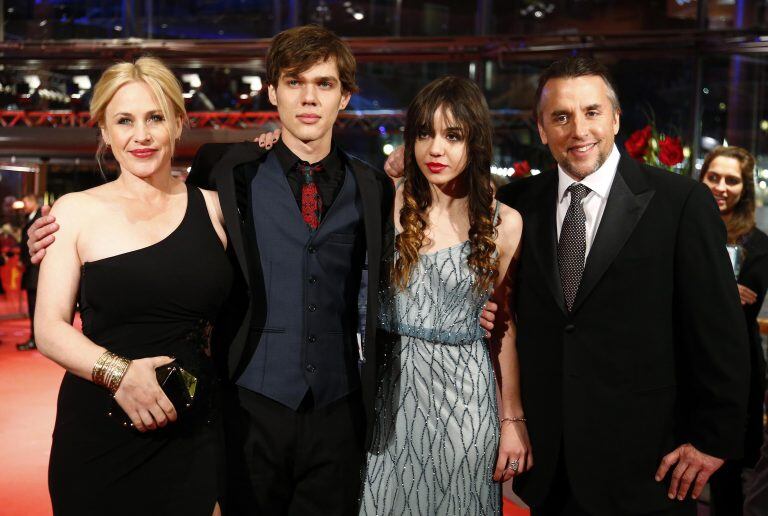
point(145, 257)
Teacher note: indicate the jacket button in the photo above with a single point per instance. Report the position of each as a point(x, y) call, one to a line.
point(570, 328)
point(312, 280)
point(310, 368)
point(312, 249)
point(312, 307)
point(311, 339)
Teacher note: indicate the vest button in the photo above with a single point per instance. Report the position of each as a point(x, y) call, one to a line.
point(311, 339)
point(312, 307)
point(569, 328)
point(312, 280)
point(312, 249)
point(310, 368)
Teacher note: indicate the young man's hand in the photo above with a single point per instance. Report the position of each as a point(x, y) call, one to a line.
point(41, 235)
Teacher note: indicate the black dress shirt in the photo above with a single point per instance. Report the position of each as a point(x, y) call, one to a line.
point(328, 181)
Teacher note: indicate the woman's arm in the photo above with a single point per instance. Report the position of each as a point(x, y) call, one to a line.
point(214, 212)
point(514, 445)
point(139, 393)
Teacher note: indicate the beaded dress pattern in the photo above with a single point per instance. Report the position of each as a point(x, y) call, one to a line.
point(436, 431)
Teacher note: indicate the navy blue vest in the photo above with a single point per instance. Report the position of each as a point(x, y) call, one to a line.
point(311, 279)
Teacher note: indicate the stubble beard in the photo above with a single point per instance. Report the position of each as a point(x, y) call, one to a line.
point(577, 175)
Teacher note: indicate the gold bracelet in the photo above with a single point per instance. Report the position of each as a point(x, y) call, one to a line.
point(119, 370)
point(109, 370)
point(99, 368)
point(520, 419)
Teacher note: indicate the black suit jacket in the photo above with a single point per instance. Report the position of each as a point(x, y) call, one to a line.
point(754, 275)
point(31, 272)
point(217, 166)
point(654, 353)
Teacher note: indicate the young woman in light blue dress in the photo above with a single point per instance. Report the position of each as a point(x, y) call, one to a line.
point(443, 441)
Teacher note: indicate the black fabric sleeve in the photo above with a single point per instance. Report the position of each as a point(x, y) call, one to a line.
point(201, 173)
point(712, 347)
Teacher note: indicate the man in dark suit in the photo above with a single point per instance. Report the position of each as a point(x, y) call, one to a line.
point(301, 219)
point(631, 340)
point(29, 278)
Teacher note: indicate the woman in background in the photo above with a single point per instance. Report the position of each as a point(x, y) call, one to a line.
point(144, 257)
point(729, 174)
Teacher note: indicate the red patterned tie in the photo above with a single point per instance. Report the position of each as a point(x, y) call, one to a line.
point(311, 203)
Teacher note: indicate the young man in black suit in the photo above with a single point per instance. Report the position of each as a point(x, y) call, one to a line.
point(301, 217)
point(632, 345)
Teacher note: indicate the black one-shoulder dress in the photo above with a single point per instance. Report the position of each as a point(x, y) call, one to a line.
point(153, 301)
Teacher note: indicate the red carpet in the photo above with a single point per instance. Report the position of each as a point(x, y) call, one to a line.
point(29, 384)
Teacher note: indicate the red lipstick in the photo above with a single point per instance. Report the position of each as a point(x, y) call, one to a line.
point(143, 153)
point(435, 167)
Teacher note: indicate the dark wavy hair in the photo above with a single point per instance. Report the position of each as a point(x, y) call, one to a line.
point(742, 218)
point(296, 50)
point(462, 102)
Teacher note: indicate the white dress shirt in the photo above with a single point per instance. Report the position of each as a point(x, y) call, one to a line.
point(599, 182)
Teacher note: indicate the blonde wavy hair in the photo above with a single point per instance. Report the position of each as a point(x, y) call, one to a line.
point(464, 101)
point(164, 85)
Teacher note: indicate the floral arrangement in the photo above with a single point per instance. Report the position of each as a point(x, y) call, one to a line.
point(650, 146)
point(522, 168)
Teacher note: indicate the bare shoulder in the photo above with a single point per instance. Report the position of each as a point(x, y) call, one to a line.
point(510, 229)
point(74, 206)
point(87, 208)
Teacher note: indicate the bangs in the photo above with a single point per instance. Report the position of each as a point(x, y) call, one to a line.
point(454, 114)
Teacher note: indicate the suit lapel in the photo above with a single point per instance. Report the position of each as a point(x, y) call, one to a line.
point(541, 236)
point(628, 198)
point(225, 180)
point(371, 202)
point(368, 189)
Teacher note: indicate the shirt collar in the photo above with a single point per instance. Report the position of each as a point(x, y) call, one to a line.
point(288, 159)
point(599, 181)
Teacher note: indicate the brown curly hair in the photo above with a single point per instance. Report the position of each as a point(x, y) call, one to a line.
point(463, 102)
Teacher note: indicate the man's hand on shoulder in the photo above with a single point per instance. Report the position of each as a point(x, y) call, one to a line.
point(693, 467)
point(395, 164)
point(41, 235)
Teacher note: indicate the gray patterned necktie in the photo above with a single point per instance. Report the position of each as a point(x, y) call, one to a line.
point(572, 247)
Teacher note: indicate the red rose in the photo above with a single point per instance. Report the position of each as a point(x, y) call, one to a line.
point(522, 168)
point(637, 143)
point(670, 151)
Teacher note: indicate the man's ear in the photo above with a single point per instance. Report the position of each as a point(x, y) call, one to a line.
point(272, 93)
point(345, 97)
point(542, 134)
point(616, 120)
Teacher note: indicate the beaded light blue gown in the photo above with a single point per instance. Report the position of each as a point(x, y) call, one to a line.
point(436, 434)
